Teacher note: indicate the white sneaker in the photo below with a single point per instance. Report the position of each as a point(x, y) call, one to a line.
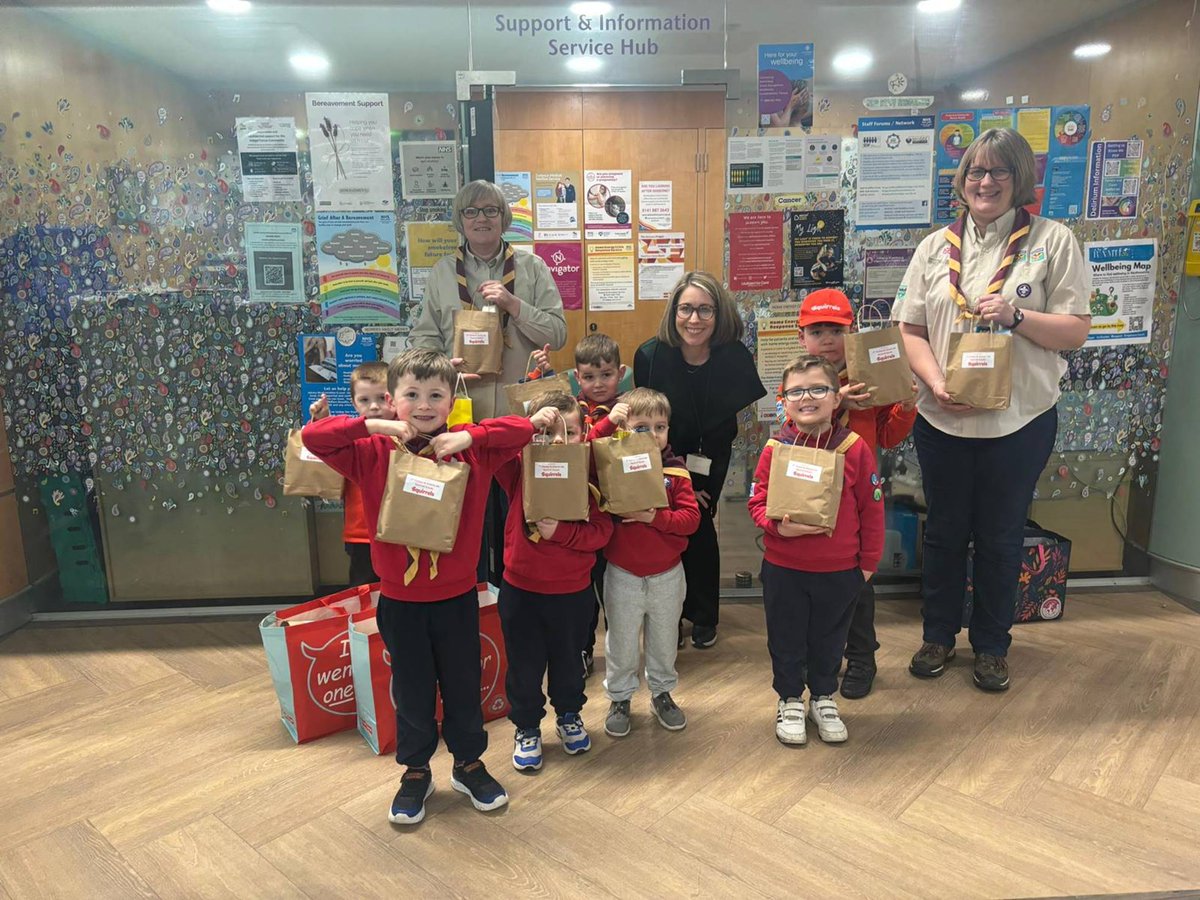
point(824, 713)
point(789, 721)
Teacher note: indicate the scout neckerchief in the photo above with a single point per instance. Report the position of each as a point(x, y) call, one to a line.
point(508, 278)
point(954, 236)
point(592, 413)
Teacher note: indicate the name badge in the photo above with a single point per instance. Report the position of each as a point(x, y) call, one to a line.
point(698, 464)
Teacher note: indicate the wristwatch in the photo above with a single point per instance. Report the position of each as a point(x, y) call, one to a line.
point(1018, 318)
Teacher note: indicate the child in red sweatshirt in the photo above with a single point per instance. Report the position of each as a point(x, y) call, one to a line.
point(428, 610)
point(825, 319)
point(810, 580)
point(644, 581)
point(546, 602)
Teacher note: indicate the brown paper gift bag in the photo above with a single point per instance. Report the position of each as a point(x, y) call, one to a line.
point(979, 369)
point(479, 340)
point(422, 501)
point(555, 482)
point(304, 475)
point(805, 484)
point(629, 468)
point(519, 395)
point(877, 359)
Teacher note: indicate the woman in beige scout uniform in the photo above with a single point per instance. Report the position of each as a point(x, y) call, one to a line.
point(996, 266)
point(519, 285)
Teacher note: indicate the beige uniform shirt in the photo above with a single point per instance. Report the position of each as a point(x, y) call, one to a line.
point(1047, 276)
point(539, 322)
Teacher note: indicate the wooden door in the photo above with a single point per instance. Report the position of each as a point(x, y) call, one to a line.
point(667, 154)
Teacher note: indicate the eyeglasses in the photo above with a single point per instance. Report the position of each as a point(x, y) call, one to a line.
point(998, 173)
point(819, 392)
point(686, 311)
point(472, 212)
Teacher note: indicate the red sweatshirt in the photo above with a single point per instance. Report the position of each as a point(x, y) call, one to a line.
point(559, 564)
point(354, 520)
point(857, 539)
point(344, 443)
point(879, 426)
point(650, 549)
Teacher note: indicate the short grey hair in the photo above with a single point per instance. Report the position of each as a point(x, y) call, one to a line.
point(479, 194)
point(1008, 147)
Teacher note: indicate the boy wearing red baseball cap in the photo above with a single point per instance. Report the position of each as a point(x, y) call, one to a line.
point(825, 318)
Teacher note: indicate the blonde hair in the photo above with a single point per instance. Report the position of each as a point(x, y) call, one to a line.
point(375, 372)
point(728, 325)
point(644, 402)
point(1008, 147)
point(423, 364)
point(479, 194)
point(804, 363)
point(560, 400)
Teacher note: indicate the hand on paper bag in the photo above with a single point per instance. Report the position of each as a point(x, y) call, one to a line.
point(319, 409)
point(405, 431)
point(448, 443)
point(788, 528)
point(619, 414)
point(458, 362)
point(541, 359)
point(994, 308)
point(854, 396)
point(496, 293)
point(544, 418)
point(547, 527)
point(945, 401)
point(645, 516)
point(911, 404)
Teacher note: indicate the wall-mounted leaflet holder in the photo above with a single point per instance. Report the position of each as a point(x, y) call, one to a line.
point(731, 78)
point(1192, 259)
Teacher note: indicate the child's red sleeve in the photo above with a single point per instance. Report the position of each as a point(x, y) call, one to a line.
point(868, 496)
point(757, 504)
point(589, 536)
point(334, 440)
point(893, 423)
point(682, 516)
point(495, 441)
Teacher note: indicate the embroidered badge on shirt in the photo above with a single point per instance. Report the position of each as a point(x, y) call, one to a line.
point(1037, 255)
point(878, 495)
point(1024, 290)
point(874, 478)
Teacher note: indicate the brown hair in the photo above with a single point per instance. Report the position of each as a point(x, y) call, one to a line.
point(1009, 148)
point(422, 364)
point(596, 350)
point(479, 194)
point(560, 400)
point(375, 372)
point(644, 401)
point(806, 362)
point(728, 326)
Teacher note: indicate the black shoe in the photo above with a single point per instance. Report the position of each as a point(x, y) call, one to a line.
point(703, 636)
point(991, 672)
point(930, 661)
point(408, 806)
point(473, 780)
point(858, 680)
point(680, 634)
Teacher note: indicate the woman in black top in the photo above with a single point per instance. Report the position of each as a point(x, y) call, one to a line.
point(699, 361)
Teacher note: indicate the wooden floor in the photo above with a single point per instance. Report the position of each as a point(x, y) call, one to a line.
point(149, 761)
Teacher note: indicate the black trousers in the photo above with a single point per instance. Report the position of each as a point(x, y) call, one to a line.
point(860, 642)
point(361, 569)
point(808, 615)
point(977, 488)
point(434, 646)
point(589, 644)
point(702, 568)
point(544, 636)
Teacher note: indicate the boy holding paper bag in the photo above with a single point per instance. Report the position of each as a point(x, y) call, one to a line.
point(428, 608)
point(546, 596)
point(825, 320)
point(811, 578)
point(644, 583)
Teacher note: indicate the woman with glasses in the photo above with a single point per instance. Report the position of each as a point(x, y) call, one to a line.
point(698, 360)
point(486, 271)
point(997, 266)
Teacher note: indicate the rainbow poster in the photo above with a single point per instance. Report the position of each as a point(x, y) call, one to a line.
point(517, 190)
point(356, 259)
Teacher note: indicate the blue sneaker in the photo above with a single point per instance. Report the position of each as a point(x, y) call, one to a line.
point(408, 806)
point(527, 750)
point(473, 780)
point(573, 735)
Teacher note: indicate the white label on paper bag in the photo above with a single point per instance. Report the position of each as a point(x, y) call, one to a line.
point(475, 338)
point(639, 462)
point(979, 359)
point(550, 470)
point(308, 456)
point(424, 487)
point(886, 353)
point(804, 471)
